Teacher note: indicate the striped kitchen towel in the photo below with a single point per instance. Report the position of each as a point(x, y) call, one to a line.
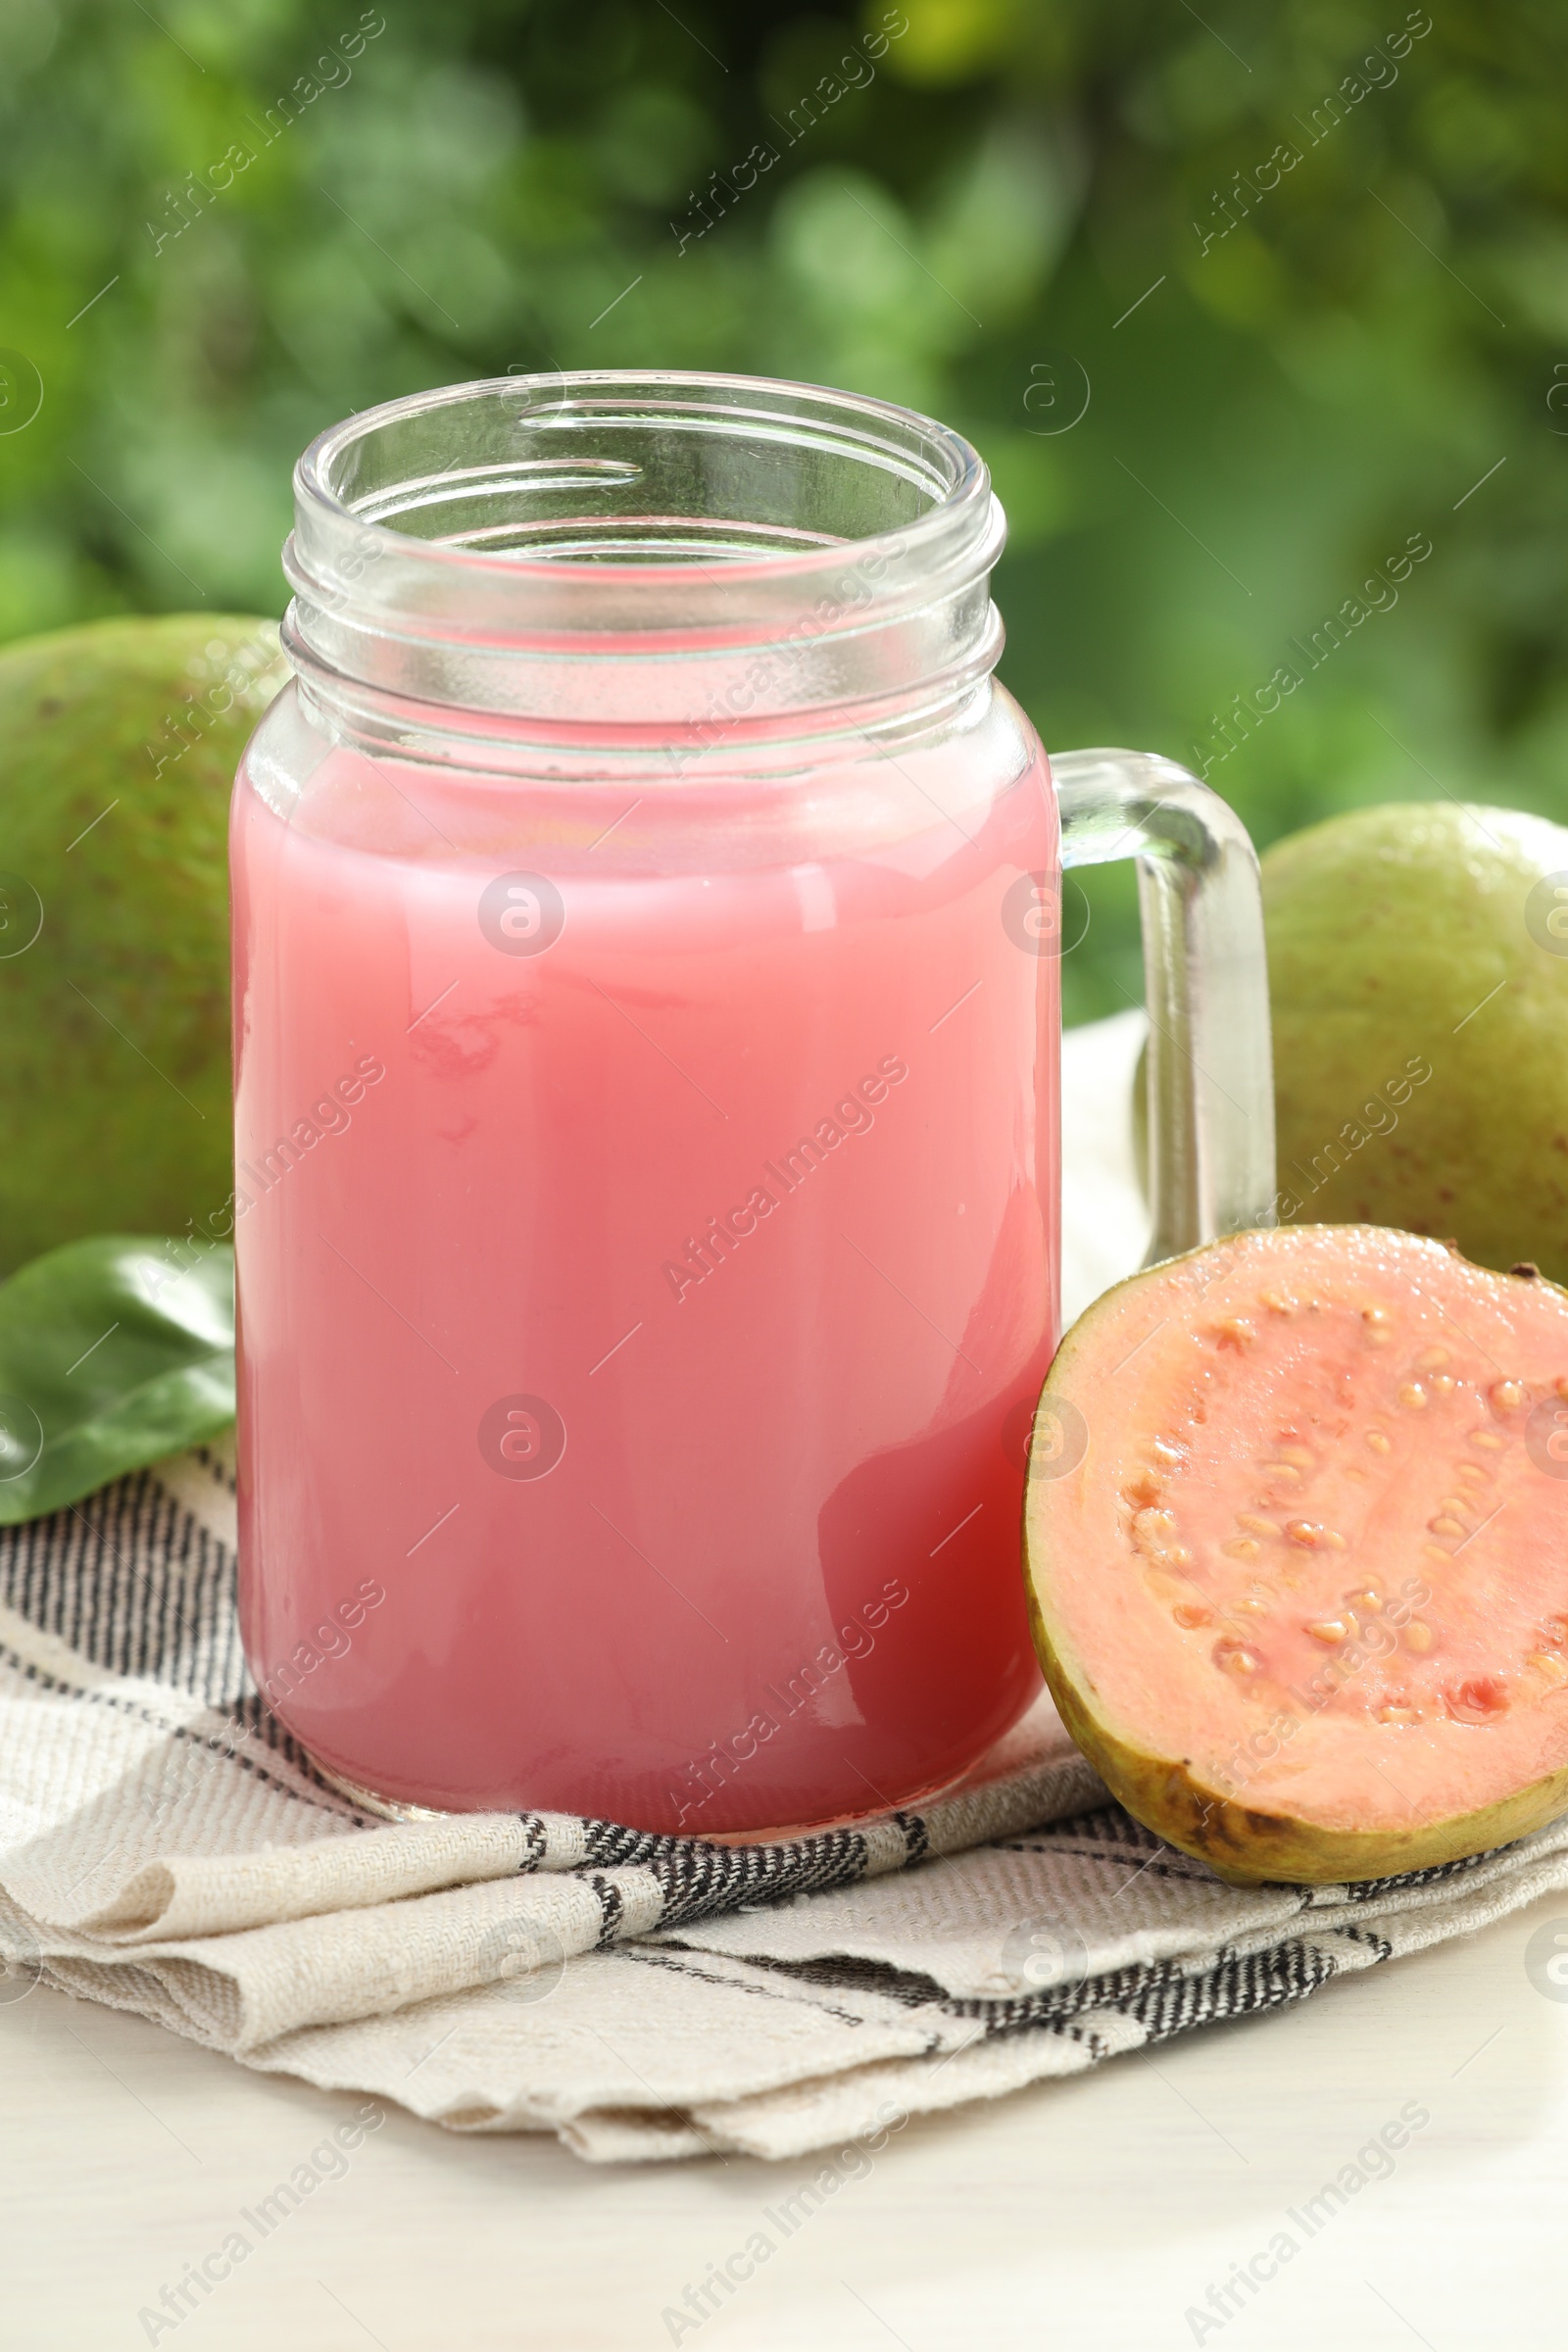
point(164, 1847)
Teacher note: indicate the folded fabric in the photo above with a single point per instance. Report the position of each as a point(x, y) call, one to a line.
point(164, 1847)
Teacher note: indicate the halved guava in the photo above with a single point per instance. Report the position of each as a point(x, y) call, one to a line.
point(1297, 1541)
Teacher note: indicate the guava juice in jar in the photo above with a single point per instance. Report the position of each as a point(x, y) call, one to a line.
point(646, 1027)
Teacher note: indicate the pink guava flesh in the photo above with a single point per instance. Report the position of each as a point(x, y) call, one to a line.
point(1304, 1597)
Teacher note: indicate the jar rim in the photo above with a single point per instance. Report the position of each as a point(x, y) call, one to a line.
point(928, 455)
point(772, 607)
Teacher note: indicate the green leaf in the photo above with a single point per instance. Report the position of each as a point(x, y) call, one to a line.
point(112, 1353)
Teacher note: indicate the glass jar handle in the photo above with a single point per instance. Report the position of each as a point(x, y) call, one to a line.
point(1210, 1067)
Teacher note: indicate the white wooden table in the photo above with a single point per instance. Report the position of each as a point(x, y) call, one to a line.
point(1098, 2213)
point(1089, 2214)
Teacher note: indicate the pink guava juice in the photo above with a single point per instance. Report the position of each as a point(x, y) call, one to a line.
point(646, 1236)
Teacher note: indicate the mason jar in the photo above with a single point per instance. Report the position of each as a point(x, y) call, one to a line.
point(646, 994)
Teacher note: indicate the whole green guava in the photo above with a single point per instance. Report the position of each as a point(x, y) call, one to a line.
point(1418, 973)
point(118, 743)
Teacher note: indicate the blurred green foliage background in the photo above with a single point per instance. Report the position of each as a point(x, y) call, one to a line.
point(995, 210)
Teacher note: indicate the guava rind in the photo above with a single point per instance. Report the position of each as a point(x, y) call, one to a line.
point(114, 1023)
point(1241, 1844)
